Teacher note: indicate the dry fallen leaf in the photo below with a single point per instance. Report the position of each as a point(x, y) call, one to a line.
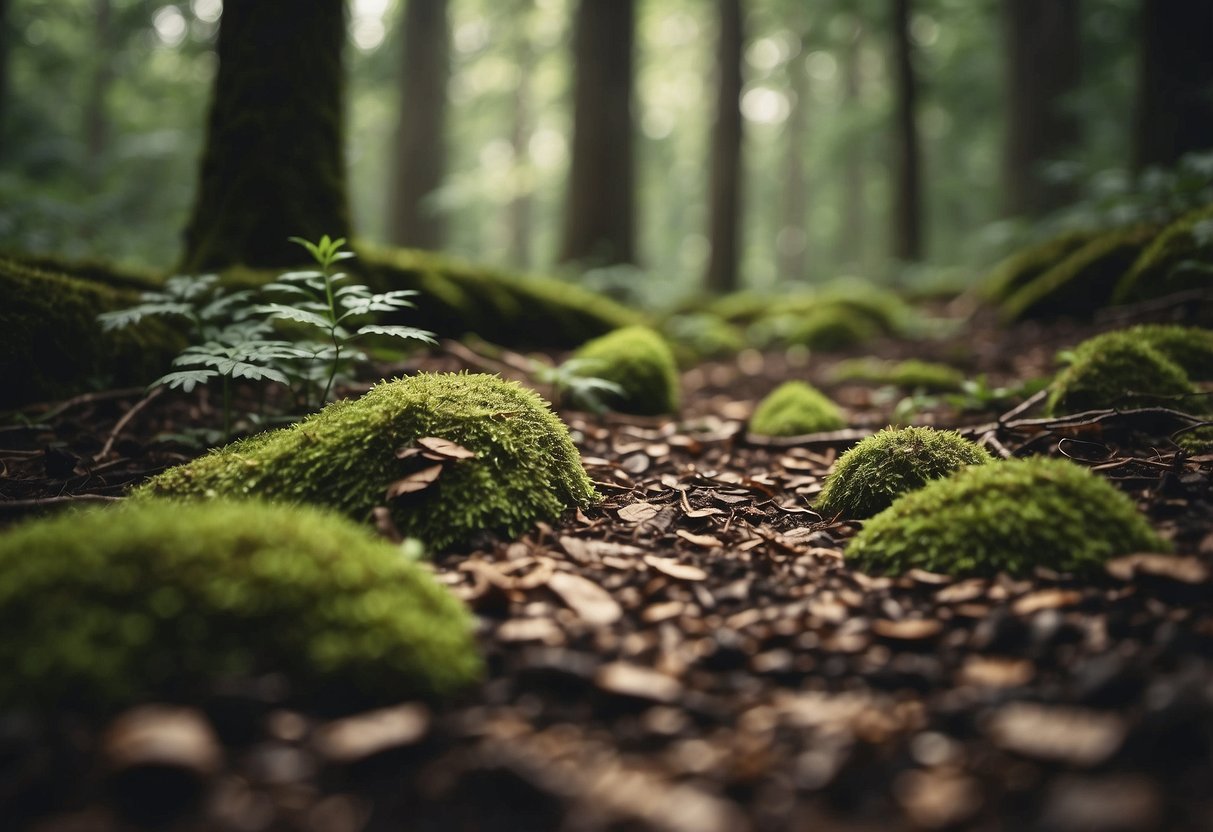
point(414, 482)
point(445, 448)
point(1045, 599)
point(1065, 734)
point(641, 682)
point(680, 571)
point(593, 604)
point(638, 512)
point(1187, 570)
point(358, 737)
point(703, 541)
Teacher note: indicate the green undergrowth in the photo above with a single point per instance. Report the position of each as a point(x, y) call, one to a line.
point(1025, 265)
point(153, 600)
point(515, 466)
point(1179, 258)
point(638, 360)
point(1005, 517)
point(870, 476)
point(699, 336)
point(910, 374)
point(795, 408)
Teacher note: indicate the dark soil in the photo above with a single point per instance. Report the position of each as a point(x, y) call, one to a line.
point(694, 654)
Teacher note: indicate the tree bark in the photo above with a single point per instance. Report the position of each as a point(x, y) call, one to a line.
point(792, 247)
point(519, 216)
point(1042, 47)
point(273, 166)
point(854, 197)
point(599, 218)
point(907, 188)
point(725, 186)
point(96, 112)
point(421, 134)
point(1175, 81)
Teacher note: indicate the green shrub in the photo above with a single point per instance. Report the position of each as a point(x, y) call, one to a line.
point(154, 600)
point(1006, 516)
point(1022, 267)
point(525, 467)
point(638, 360)
point(1084, 280)
point(911, 374)
point(1117, 369)
point(795, 408)
point(1166, 265)
point(878, 470)
point(52, 346)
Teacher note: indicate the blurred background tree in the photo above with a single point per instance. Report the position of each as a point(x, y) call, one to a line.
point(103, 106)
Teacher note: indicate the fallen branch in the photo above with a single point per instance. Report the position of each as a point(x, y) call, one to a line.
point(125, 420)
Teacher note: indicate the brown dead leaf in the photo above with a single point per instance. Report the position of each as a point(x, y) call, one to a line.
point(445, 448)
point(1077, 736)
point(703, 541)
point(355, 738)
point(1045, 599)
point(674, 569)
point(1187, 570)
point(414, 482)
point(638, 512)
point(637, 681)
point(907, 629)
point(593, 604)
point(994, 672)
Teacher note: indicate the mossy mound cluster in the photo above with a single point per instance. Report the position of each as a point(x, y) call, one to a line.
point(458, 298)
point(638, 360)
point(1138, 367)
point(827, 327)
point(1179, 258)
point(795, 408)
point(350, 455)
point(870, 476)
point(1005, 517)
point(1198, 441)
point(911, 374)
point(1025, 265)
point(701, 335)
point(1083, 280)
point(153, 600)
point(51, 345)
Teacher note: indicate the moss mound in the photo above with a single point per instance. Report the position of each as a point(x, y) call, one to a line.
point(1164, 266)
point(1198, 441)
point(794, 408)
point(911, 374)
point(1118, 369)
point(1005, 517)
point(1022, 267)
point(350, 454)
point(152, 600)
point(51, 345)
point(1084, 280)
point(878, 470)
point(638, 360)
point(1190, 347)
point(698, 336)
point(457, 298)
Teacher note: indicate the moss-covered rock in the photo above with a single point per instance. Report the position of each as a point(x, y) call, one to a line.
point(1198, 441)
point(1005, 517)
point(878, 470)
point(153, 601)
point(794, 408)
point(1118, 370)
point(1164, 266)
point(1190, 347)
point(1024, 266)
point(911, 374)
point(51, 345)
point(639, 361)
point(352, 454)
point(457, 298)
point(1084, 280)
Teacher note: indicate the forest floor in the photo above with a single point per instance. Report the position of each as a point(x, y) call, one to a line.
point(694, 655)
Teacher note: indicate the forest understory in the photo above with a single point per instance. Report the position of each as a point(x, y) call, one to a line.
point(693, 653)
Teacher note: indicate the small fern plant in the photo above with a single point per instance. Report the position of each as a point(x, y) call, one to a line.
point(572, 384)
point(326, 300)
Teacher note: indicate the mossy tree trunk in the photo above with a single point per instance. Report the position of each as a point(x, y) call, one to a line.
point(599, 217)
point(1042, 49)
point(273, 166)
point(725, 187)
point(907, 175)
point(420, 137)
point(1175, 81)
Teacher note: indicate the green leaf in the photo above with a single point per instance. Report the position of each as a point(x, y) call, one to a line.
point(406, 332)
point(187, 380)
point(291, 313)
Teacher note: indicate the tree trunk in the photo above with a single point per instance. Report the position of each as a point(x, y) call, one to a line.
point(599, 218)
point(519, 217)
point(96, 112)
point(854, 197)
point(273, 166)
point(1042, 41)
point(792, 245)
point(725, 206)
point(907, 189)
point(421, 134)
point(5, 34)
point(1175, 81)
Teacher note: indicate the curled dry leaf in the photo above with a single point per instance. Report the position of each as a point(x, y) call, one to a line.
point(638, 512)
point(593, 604)
point(445, 448)
point(680, 571)
point(414, 482)
point(703, 541)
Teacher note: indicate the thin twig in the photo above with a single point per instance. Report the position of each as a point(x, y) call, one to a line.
point(16, 505)
point(469, 356)
point(125, 420)
point(1024, 406)
point(83, 398)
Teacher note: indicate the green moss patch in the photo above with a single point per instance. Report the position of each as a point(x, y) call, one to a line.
point(795, 408)
point(698, 336)
point(871, 475)
point(1119, 369)
point(1179, 258)
point(911, 374)
point(153, 600)
point(1024, 266)
point(1005, 517)
point(639, 361)
point(522, 467)
point(1190, 347)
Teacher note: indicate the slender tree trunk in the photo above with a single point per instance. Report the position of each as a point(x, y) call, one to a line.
point(1175, 81)
point(599, 218)
point(273, 166)
point(907, 189)
point(1042, 41)
point(519, 218)
point(421, 134)
point(725, 207)
point(793, 243)
point(854, 201)
point(96, 110)
point(4, 46)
